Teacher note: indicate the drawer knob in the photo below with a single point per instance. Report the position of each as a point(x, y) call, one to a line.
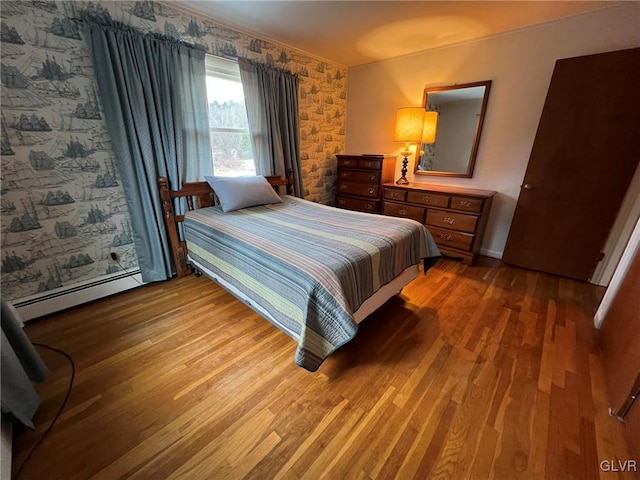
point(372, 177)
point(368, 206)
point(371, 191)
point(402, 211)
point(446, 237)
point(368, 164)
point(449, 220)
point(465, 203)
point(426, 198)
point(343, 187)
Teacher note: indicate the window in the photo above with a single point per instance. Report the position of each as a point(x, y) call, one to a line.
point(230, 141)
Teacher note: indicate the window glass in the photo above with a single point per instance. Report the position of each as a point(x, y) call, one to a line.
point(230, 141)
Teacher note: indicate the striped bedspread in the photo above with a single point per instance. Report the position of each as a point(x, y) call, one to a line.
point(309, 265)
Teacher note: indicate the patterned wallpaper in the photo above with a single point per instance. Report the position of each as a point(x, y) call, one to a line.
point(62, 205)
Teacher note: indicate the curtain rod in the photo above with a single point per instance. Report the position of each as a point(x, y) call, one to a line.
point(118, 25)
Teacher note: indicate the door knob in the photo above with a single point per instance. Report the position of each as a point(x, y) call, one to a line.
point(527, 186)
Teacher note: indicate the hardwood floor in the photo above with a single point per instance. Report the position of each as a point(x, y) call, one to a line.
point(475, 372)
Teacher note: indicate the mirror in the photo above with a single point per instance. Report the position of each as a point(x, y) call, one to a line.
point(461, 109)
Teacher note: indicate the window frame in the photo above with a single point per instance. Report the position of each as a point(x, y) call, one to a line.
point(225, 69)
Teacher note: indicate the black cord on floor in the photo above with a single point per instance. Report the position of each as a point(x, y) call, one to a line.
point(64, 404)
point(115, 259)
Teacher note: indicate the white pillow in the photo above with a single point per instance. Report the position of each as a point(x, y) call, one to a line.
point(235, 193)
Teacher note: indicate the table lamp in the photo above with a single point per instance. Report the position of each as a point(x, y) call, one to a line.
point(409, 129)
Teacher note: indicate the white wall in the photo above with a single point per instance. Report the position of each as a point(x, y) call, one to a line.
point(520, 65)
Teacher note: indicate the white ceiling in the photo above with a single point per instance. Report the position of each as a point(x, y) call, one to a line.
point(358, 32)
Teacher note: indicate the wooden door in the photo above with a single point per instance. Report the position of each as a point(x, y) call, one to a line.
point(620, 345)
point(585, 152)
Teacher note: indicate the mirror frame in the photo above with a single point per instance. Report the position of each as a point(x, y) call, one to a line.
point(476, 141)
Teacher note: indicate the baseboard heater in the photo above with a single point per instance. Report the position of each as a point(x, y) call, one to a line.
point(52, 301)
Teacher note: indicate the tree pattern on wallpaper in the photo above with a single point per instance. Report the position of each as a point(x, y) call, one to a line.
point(62, 205)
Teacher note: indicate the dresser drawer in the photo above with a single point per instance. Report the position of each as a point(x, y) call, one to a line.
point(449, 238)
point(362, 189)
point(370, 164)
point(451, 220)
point(406, 211)
point(395, 194)
point(370, 206)
point(467, 204)
point(348, 162)
point(428, 198)
point(359, 176)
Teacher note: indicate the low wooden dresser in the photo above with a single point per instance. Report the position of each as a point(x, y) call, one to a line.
point(456, 217)
point(360, 179)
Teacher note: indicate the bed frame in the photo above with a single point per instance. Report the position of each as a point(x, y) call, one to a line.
point(198, 195)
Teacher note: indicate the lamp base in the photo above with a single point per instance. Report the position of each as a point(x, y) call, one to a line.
point(403, 179)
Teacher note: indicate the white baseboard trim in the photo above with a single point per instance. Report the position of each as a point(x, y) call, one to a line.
point(62, 298)
point(491, 253)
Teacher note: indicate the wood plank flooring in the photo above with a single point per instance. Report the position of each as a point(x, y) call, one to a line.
point(484, 372)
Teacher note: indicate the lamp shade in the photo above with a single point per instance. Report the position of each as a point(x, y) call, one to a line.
point(409, 122)
point(429, 127)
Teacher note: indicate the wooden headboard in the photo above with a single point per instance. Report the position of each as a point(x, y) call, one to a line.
point(198, 195)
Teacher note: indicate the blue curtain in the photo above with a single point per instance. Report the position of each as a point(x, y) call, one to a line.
point(271, 97)
point(153, 95)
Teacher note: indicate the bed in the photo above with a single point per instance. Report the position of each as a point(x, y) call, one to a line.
point(313, 270)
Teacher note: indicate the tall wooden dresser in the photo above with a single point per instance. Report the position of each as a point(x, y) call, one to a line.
point(456, 217)
point(360, 179)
